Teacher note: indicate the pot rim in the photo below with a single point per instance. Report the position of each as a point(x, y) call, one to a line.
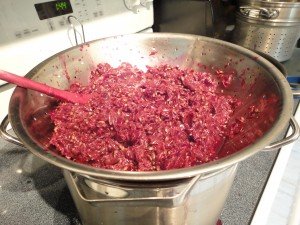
point(282, 23)
point(272, 3)
point(174, 174)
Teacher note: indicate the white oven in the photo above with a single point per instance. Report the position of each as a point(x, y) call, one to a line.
point(34, 30)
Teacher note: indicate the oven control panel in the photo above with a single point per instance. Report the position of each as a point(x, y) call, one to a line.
point(21, 19)
point(34, 30)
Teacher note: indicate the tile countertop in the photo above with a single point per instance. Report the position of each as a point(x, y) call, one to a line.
point(34, 192)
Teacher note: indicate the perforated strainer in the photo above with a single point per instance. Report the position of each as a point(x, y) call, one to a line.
point(276, 39)
point(271, 27)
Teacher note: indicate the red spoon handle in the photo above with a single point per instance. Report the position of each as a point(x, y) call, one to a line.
point(43, 88)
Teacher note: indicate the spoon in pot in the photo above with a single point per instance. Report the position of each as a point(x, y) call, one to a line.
point(43, 88)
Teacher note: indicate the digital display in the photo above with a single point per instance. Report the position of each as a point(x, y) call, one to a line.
point(51, 9)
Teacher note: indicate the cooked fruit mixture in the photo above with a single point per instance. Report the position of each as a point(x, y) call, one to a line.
point(161, 119)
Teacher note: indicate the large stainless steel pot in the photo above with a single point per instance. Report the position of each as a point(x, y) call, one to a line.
point(183, 196)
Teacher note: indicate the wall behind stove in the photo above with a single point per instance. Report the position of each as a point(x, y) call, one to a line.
point(200, 17)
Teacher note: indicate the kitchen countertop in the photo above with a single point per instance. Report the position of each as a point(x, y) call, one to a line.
point(34, 192)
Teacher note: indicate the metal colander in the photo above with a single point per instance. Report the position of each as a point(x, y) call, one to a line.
point(276, 40)
point(269, 27)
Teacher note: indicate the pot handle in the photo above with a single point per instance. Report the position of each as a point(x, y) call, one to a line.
point(173, 200)
point(262, 12)
point(70, 18)
point(287, 140)
point(6, 136)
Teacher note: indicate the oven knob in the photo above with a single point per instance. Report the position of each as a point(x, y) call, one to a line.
point(147, 3)
point(133, 5)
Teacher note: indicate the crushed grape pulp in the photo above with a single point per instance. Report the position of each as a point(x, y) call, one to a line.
point(162, 119)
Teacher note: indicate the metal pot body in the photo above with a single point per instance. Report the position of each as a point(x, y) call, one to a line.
point(195, 201)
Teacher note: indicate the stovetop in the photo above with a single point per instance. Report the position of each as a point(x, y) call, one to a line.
point(34, 192)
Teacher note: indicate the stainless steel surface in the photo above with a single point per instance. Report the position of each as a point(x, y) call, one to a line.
point(183, 50)
point(273, 38)
point(188, 201)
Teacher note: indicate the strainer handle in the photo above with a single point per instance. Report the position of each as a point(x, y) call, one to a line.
point(263, 12)
point(70, 18)
point(287, 140)
point(5, 135)
point(173, 200)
